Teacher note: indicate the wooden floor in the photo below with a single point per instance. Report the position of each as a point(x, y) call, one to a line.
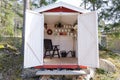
point(60, 61)
point(66, 63)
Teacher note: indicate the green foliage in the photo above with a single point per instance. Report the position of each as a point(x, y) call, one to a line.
point(102, 48)
point(108, 10)
point(10, 66)
point(108, 54)
point(112, 12)
point(93, 4)
point(112, 55)
point(106, 76)
point(6, 19)
point(8, 13)
point(40, 3)
point(17, 43)
point(14, 42)
point(1, 46)
point(100, 71)
point(115, 59)
point(10, 62)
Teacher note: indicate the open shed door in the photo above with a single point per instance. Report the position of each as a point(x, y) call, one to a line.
point(33, 48)
point(88, 40)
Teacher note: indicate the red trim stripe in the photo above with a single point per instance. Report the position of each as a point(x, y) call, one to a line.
point(61, 66)
point(60, 9)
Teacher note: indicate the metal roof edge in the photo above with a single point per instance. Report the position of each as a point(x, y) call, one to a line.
point(55, 5)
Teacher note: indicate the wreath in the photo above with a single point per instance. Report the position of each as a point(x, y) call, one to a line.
point(49, 31)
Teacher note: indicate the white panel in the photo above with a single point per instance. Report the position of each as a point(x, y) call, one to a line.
point(66, 43)
point(33, 49)
point(60, 17)
point(88, 40)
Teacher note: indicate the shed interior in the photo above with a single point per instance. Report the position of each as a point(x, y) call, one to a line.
point(61, 29)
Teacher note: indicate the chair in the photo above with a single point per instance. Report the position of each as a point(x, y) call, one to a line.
point(50, 48)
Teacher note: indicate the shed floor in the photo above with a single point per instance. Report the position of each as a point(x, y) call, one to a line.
point(60, 61)
point(65, 63)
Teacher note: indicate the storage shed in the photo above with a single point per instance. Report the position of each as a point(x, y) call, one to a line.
point(75, 30)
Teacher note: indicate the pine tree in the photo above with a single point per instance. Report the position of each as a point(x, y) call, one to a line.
point(8, 13)
point(40, 3)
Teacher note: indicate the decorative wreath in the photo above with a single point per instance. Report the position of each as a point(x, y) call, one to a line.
point(49, 31)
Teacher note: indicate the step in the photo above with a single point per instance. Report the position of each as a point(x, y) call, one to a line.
point(61, 72)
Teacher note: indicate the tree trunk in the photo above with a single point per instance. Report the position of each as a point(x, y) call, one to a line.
point(85, 4)
point(93, 6)
point(27, 4)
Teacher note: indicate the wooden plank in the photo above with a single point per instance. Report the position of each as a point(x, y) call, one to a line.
point(60, 61)
point(64, 63)
point(61, 72)
point(61, 66)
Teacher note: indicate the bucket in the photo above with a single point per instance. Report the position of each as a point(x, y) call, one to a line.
point(63, 53)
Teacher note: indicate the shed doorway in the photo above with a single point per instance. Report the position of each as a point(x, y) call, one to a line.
point(61, 29)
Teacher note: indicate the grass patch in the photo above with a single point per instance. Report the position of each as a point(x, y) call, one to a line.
point(115, 59)
point(10, 66)
point(100, 71)
point(1, 46)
